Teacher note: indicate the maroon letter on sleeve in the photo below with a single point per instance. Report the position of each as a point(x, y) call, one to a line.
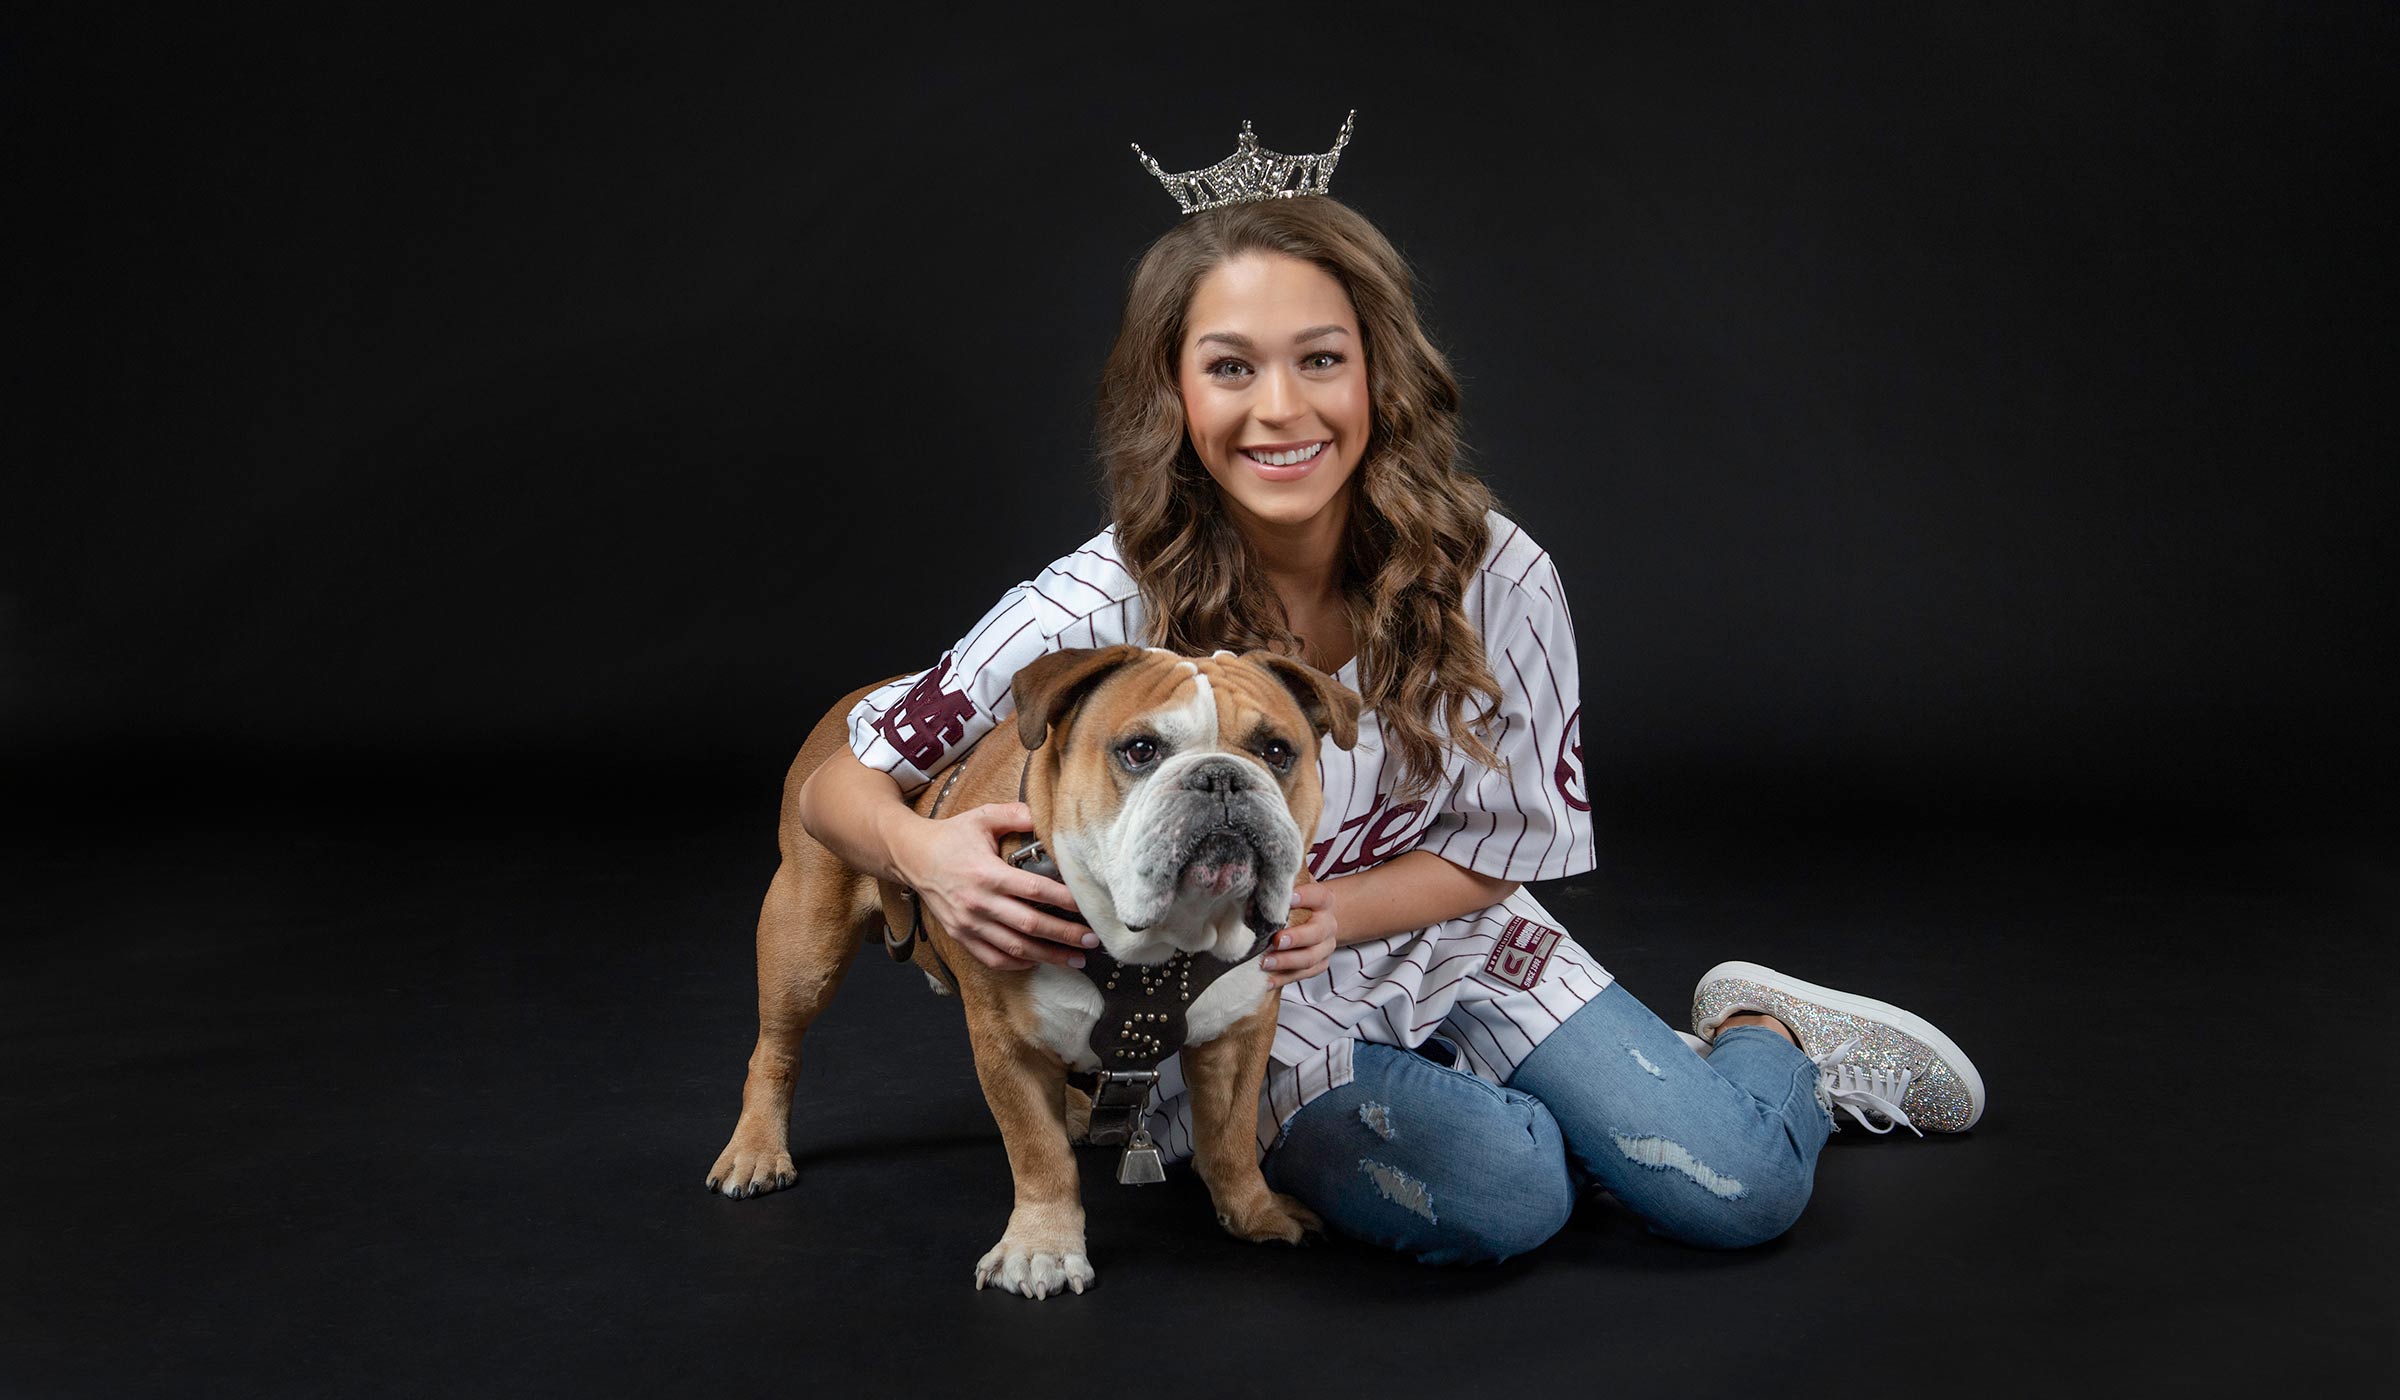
point(1568, 771)
point(927, 720)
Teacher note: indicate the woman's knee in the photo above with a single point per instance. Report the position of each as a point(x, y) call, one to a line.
point(1511, 1189)
point(1430, 1162)
point(1761, 1206)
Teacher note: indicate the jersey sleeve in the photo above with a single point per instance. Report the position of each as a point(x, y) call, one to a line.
point(913, 727)
point(1530, 819)
point(916, 726)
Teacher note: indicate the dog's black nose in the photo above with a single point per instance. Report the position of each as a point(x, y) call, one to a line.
point(1224, 779)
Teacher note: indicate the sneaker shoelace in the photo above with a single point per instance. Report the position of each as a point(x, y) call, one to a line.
point(1860, 1092)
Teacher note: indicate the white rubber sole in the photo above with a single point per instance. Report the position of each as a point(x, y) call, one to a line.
point(1907, 1022)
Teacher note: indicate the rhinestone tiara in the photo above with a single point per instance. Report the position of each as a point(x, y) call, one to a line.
point(1251, 173)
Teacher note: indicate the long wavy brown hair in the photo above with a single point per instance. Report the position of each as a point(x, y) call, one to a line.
point(1416, 529)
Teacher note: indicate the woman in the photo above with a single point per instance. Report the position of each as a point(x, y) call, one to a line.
point(1281, 445)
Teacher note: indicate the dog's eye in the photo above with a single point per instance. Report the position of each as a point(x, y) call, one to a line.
point(1138, 753)
point(1279, 755)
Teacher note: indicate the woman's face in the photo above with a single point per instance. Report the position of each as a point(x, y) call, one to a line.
point(1274, 381)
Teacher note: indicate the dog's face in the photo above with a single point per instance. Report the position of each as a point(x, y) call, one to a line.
point(1178, 794)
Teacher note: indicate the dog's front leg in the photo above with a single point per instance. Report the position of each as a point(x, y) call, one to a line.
point(1224, 1076)
point(1042, 1251)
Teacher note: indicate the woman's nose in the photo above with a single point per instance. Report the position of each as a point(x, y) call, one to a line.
point(1278, 398)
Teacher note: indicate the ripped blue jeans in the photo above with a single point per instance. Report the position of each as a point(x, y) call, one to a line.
point(1417, 1156)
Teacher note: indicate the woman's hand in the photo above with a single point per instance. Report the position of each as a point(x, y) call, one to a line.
point(954, 865)
point(1306, 944)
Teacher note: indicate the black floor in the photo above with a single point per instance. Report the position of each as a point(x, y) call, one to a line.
point(308, 1106)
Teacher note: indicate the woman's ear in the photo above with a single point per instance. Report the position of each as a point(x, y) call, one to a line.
point(1331, 707)
point(1050, 685)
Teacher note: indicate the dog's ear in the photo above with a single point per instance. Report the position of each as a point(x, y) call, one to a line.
point(1051, 684)
point(1331, 707)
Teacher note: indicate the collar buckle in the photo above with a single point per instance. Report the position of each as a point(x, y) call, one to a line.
point(1120, 1118)
point(1118, 1097)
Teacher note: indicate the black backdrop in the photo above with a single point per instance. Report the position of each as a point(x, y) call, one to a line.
point(1963, 433)
point(1939, 410)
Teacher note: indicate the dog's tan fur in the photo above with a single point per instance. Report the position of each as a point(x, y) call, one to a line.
point(818, 912)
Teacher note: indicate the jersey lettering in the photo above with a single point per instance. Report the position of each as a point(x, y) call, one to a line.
point(1374, 835)
point(1568, 772)
point(927, 720)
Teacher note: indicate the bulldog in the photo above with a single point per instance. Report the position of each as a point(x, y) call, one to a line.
point(1176, 797)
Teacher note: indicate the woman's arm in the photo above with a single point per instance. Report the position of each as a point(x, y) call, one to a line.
point(1415, 890)
point(953, 864)
point(858, 813)
point(1411, 891)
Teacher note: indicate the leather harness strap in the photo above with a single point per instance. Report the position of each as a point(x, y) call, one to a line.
point(903, 946)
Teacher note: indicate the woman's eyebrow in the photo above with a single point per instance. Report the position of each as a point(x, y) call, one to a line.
point(1242, 342)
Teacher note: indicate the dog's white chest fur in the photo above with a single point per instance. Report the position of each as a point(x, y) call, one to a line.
point(1066, 1006)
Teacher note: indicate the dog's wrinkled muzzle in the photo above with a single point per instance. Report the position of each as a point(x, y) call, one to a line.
point(1222, 862)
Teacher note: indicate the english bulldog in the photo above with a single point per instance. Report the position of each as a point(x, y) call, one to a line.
point(1176, 796)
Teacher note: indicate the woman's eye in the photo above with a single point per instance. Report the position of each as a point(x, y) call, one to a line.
point(1279, 755)
point(1217, 370)
point(1330, 359)
point(1139, 753)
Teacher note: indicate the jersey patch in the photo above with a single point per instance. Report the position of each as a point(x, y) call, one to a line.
point(1523, 952)
point(927, 720)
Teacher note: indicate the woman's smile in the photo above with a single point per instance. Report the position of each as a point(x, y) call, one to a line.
point(1285, 462)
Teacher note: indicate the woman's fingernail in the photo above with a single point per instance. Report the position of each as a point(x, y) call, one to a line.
point(1267, 962)
point(1074, 962)
point(1283, 940)
point(1090, 940)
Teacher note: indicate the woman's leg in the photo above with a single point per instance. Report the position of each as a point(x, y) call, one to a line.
point(1431, 1161)
point(1719, 1152)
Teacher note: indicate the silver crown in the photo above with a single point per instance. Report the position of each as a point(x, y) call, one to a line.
point(1251, 174)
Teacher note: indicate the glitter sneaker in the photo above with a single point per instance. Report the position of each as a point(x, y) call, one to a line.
point(1874, 1060)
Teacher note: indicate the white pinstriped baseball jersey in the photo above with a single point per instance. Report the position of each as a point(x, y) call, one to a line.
point(1495, 982)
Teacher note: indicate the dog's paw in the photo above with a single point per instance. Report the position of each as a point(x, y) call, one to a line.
point(1035, 1269)
point(1276, 1218)
point(744, 1169)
